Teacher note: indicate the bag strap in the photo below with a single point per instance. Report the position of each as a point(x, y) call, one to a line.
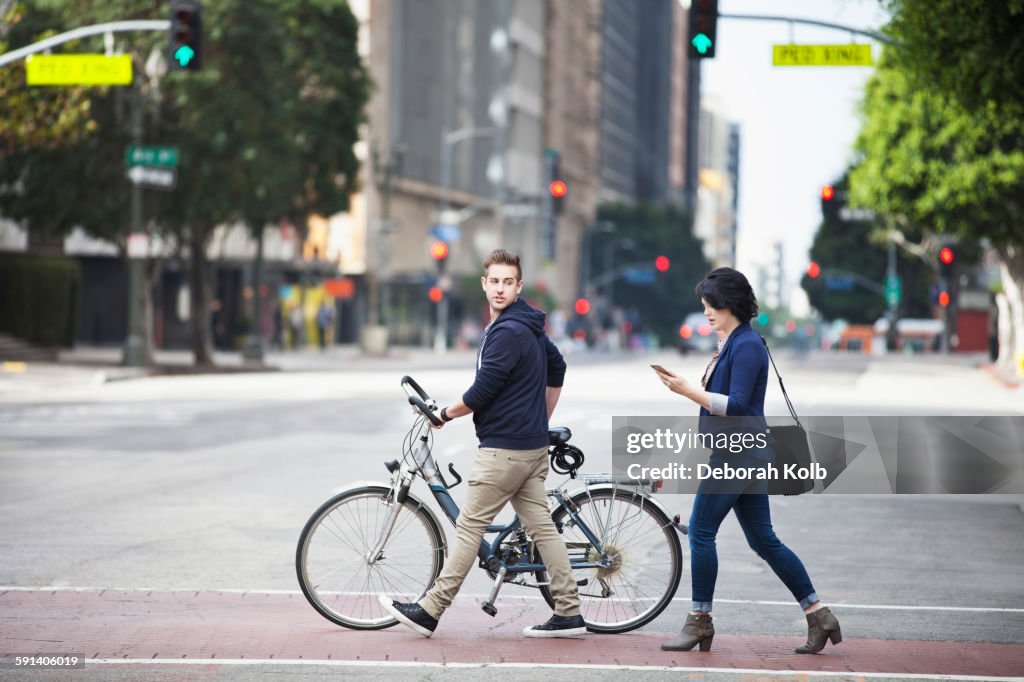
point(789, 403)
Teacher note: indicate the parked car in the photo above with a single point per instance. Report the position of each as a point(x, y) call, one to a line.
point(696, 335)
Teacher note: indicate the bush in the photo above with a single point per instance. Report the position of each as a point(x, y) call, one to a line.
point(39, 298)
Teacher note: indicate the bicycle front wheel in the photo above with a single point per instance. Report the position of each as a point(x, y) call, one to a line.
point(340, 578)
point(641, 556)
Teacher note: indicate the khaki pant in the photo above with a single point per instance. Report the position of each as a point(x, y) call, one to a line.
point(501, 476)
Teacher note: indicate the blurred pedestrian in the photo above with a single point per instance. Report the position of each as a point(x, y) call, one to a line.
point(324, 320)
point(295, 320)
point(734, 385)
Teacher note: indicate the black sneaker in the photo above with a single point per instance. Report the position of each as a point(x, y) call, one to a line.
point(558, 626)
point(411, 615)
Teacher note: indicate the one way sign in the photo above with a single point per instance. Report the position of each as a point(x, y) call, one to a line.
point(154, 178)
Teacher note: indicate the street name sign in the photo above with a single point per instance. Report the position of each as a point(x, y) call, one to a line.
point(166, 157)
point(822, 55)
point(893, 290)
point(78, 69)
point(154, 178)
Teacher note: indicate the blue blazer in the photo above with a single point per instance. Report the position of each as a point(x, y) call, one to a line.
point(741, 373)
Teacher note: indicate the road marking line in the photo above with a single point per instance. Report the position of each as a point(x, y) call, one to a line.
point(556, 666)
point(165, 590)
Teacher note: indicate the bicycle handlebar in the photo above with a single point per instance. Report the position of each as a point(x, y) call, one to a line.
point(425, 409)
point(409, 381)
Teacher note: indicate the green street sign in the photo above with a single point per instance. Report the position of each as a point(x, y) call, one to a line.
point(702, 43)
point(166, 157)
point(893, 290)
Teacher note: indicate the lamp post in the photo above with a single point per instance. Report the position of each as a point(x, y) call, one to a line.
point(626, 244)
point(373, 337)
point(382, 174)
point(448, 140)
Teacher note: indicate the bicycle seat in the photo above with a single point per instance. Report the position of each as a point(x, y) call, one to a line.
point(559, 435)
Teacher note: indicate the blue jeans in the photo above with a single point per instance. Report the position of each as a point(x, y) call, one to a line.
point(748, 498)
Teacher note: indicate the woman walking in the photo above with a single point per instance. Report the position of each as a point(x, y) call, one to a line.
point(734, 385)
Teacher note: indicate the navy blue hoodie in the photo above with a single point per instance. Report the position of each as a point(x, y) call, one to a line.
point(515, 364)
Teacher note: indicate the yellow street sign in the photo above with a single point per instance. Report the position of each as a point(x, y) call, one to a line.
point(78, 69)
point(821, 55)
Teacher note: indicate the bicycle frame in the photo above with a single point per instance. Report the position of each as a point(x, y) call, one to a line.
point(425, 467)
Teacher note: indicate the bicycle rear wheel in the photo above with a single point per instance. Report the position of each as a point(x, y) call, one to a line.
point(333, 563)
point(642, 553)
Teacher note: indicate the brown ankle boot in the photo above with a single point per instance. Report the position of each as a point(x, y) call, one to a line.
point(697, 630)
point(821, 625)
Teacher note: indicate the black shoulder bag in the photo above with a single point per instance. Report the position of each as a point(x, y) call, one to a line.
point(791, 447)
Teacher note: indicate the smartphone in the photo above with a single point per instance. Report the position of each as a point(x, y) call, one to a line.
point(662, 370)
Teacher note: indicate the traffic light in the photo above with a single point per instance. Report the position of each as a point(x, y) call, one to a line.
point(944, 299)
point(557, 187)
point(813, 270)
point(186, 34)
point(439, 252)
point(946, 259)
point(828, 193)
point(436, 294)
point(661, 263)
point(703, 29)
point(582, 306)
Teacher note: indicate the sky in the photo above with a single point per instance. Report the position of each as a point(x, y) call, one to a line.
point(797, 124)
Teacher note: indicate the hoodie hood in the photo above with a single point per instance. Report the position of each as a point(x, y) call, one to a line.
point(525, 314)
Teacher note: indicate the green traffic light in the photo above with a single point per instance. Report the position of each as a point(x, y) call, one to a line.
point(762, 319)
point(183, 55)
point(702, 43)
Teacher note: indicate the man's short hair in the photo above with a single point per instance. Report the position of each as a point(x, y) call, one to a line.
point(503, 257)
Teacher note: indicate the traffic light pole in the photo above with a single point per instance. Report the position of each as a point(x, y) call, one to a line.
point(813, 22)
point(134, 345)
point(84, 31)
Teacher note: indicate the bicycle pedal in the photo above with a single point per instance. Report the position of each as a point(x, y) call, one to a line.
point(489, 609)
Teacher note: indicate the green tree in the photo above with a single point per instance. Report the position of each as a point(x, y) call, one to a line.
point(929, 166)
point(653, 231)
point(972, 50)
point(857, 246)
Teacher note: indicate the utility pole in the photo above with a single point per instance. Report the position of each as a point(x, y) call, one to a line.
point(134, 346)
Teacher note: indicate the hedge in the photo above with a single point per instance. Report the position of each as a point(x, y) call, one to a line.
point(39, 298)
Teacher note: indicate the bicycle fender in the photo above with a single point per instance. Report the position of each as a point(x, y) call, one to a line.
point(608, 486)
point(409, 497)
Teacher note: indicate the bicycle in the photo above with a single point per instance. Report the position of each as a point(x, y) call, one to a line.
point(376, 538)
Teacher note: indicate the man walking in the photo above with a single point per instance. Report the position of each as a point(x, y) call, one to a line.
point(519, 375)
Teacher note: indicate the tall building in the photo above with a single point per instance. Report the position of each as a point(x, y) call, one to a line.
point(718, 160)
point(456, 121)
point(643, 88)
point(572, 98)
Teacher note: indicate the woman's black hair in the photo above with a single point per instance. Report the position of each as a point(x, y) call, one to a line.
point(728, 288)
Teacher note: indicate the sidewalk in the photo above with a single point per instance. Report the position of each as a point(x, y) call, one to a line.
point(332, 359)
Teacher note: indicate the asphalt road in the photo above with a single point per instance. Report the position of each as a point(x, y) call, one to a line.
point(202, 483)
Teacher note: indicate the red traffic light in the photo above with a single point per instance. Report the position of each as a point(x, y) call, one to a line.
point(685, 331)
point(661, 263)
point(813, 270)
point(582, 306)
point(944, 298)
point(828, 192)
point(558, 189)
point(946, 255)
point(436, 294)
point(439, 250)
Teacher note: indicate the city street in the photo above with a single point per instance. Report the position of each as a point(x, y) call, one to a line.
point(149, 524)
